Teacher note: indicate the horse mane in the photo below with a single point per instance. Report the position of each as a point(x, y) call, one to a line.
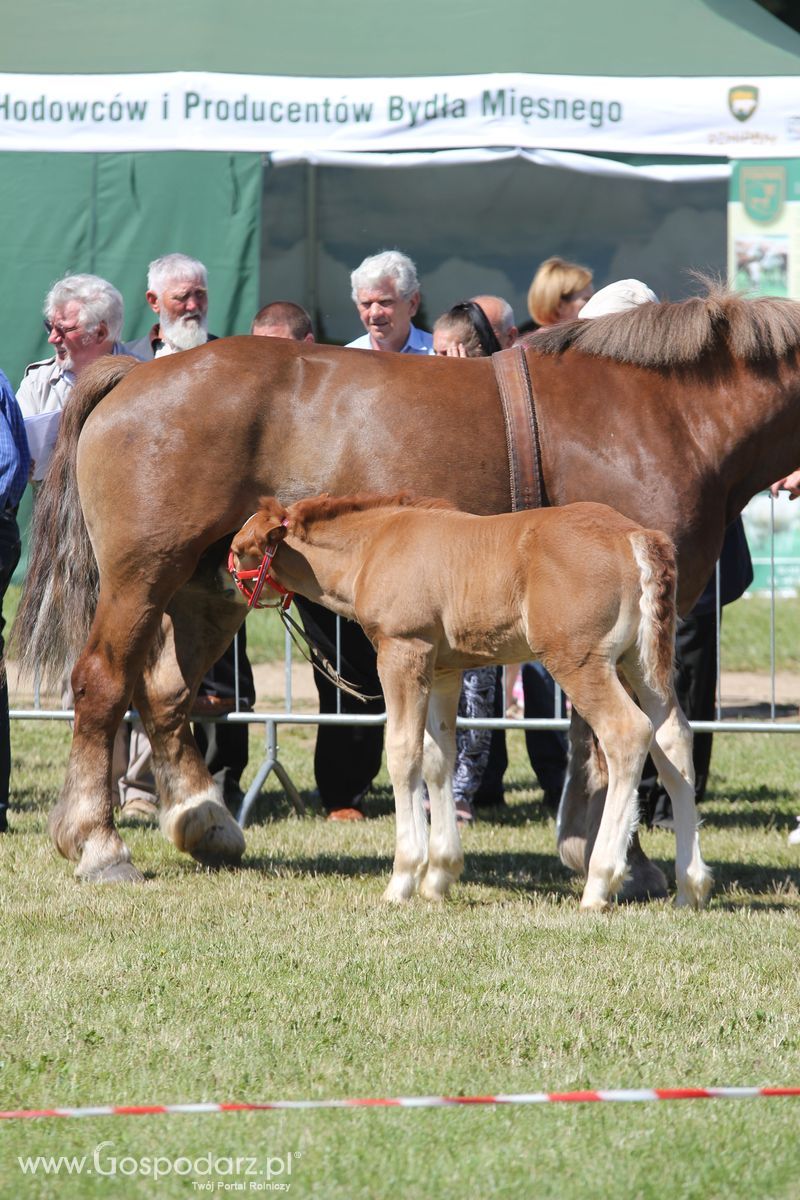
point(679, 333)
point(324, 508)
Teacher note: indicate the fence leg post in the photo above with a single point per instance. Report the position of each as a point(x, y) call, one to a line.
point(270, 763)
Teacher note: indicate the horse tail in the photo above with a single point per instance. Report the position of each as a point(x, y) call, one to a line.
point(61, 586)
point(654, 553)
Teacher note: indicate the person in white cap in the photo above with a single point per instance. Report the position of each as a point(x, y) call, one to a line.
point(615, 297)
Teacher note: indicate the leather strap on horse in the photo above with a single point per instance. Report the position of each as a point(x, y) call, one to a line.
point(522, 428)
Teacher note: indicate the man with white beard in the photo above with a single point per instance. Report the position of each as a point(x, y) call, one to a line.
point(177, 291)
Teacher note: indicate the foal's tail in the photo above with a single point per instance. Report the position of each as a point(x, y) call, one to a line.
point(61, 585)
point(654, 553)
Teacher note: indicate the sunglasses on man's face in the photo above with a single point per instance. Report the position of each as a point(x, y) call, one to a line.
point(60, 331)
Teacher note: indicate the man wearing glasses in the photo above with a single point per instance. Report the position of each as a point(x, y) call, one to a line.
point(83, 316)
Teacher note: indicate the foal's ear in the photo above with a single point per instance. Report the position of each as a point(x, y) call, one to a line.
point(277, 534)
point(271, 507)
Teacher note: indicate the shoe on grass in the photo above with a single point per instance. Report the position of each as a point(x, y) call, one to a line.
point(140, 808)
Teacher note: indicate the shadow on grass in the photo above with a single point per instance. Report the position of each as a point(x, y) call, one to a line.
point(520, 873)
point(274, 805)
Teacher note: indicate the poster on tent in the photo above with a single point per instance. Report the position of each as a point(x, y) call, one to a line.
point(764, 260)
point(764, 227)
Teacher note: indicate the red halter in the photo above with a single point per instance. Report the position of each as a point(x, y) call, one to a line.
point(252, 591)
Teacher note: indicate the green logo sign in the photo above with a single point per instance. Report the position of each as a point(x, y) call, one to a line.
point(762, 189)
point(743, 101)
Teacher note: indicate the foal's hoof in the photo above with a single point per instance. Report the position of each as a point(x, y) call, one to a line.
point(121, 872)
point(645, 882)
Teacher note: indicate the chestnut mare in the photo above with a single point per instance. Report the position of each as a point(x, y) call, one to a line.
point(674, 414)
point(581, 588)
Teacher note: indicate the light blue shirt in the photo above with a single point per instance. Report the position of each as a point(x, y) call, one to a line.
point(15, 459)
point(418, 342)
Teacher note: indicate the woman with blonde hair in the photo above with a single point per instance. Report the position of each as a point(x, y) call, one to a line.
point(559, 291)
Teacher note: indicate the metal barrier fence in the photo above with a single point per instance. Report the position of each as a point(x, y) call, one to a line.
point(287, 715)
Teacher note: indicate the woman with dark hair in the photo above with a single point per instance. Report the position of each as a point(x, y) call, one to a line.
point(464, 331)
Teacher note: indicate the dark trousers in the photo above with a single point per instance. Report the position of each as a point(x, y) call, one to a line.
point(346, 757)
point(547, 749)
point(9, 557)
point(696, 687)
point(225, 747)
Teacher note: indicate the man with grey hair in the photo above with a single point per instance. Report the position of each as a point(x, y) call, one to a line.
point(386, 293)
point(177, 292)
point(83, 316)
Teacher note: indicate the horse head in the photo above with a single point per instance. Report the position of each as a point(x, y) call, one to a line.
point(260, 533)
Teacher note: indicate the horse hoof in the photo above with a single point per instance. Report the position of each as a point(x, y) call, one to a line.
point(120, 872)
point(220, 846)
point(400, 889)
point(436, 883)
point(208, 832)
point(646, 882)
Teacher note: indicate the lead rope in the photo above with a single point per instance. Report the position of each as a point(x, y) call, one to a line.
point(319, 661)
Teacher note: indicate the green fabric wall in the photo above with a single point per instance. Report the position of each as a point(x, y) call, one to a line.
point(448, 37)
point(111, 214)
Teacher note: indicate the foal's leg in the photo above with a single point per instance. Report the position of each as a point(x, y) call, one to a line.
point(82, 823)
point(580, 813)
point(405, 668)
point(672, 754)
point(624, 734)
point(445, 856)
point(198, 626)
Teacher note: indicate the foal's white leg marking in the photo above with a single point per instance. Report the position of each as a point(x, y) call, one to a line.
point(445, 855)
point(624, 733)
point(402, 667)
point(672, 755)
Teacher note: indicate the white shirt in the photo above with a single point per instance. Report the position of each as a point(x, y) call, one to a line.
point(46, 386)
point(418, 342)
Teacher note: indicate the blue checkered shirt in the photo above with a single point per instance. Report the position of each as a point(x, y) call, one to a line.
point(15, 457)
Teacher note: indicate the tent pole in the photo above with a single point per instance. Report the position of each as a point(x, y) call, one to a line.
point(312, 273)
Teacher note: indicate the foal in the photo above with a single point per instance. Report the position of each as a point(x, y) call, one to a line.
point(581, 588)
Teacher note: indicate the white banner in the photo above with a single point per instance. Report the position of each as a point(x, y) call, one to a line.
point(737, 118)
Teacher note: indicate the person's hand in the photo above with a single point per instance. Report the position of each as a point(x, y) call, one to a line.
point(456, 351)
point(790, 484)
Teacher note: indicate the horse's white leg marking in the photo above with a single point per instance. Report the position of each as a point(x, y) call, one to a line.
point(405, 669)
point(82, 823)
point(573, 809)
point(445, 855)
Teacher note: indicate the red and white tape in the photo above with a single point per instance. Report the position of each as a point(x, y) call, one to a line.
point(607, 1096)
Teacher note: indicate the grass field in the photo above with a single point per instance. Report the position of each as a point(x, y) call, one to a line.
point(290, 979)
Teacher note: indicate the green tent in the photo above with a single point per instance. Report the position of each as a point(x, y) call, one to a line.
point(279, 209)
